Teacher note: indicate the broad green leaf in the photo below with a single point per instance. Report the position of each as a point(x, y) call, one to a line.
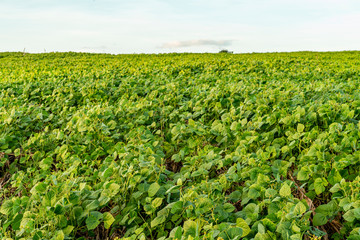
point(153, 189)
point(68, 230)
point(319, 185)
point(114, 188)
point(253, 193)
point(319, 219)
point(45, 164)
point(6, 207)
point(334, 176)
point(107, 173)
point(295, 228)
point(300, 208)
point(303, 174)
point(345, 203)
point(190, 228)
point(261, 228)
point(37, 156)
point(92, 205)
point(39, 188)
point(357, 213)
point(108, 219)
point(285, 190)
point(157, 202)
point(244, 226)
point(158, 220)
point(233, 233)
point(349, 216)
point(300, 128)
point(328, 209)
point(59, 235)
point(176, 233)
point(335, 188)
point(37, 236)
point(93, 220)
point(177, 207)
point(296, 237)
point(179, 182)
point(229, 207)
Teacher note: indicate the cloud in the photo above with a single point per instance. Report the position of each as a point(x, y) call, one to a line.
point(94, 49)
point(191, 43)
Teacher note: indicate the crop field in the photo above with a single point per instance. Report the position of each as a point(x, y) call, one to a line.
point(180, 146)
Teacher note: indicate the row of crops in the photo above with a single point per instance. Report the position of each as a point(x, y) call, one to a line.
point(180, 146)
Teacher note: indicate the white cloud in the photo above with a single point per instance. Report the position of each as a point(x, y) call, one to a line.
point(191, 43)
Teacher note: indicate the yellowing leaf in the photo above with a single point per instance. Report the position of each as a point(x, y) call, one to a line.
point(300, 128)
point(244, 226)
point(285, 190)
point(108, 219)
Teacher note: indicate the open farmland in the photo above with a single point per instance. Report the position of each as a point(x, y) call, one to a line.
point(183, 146)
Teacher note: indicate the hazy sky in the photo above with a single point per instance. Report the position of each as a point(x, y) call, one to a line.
point(153, 26)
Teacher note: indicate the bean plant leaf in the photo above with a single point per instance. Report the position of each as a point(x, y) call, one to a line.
point(108, 219)
point(285, 190)
point(93, 220)
point(319, 219)
point(153, 189)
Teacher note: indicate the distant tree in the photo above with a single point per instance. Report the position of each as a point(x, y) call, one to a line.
point(225, 51)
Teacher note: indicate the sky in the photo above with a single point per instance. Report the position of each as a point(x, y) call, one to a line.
point(162, 26)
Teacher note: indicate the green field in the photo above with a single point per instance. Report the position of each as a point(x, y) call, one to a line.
point(180, 146)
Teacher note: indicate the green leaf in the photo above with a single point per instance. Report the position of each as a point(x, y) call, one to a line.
point(303, 174)
point(6, 207)
point(300, 128)
point(349, 216)
point(92, 205)
point(244, 226)
point(178, 233)
point(300, 208)
point(45, 164)
point(233, 233)
point(285, 190)
point(251, 210)
point(158, 220)
point(37, 156)
point(319, 185)
point(39, 188)
point(229, 207)
point(153, 189)
point(319, 219)
point(177, 207)
point(107, 173)
point(296, 237)
point(334, 176)
point(345, 203)
point(179, 182)
point(335, 188)
point(37, 236)
point(295, 228)
point(59, 235)
point(328, 209)
point(190, 228)
point(114, 188)
point(59, 209)
point(253, 193)
point(93, 220)
point(157, 202)
point(68, 230)
point(261, 228)
point(357, 213)
point(108, 219)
